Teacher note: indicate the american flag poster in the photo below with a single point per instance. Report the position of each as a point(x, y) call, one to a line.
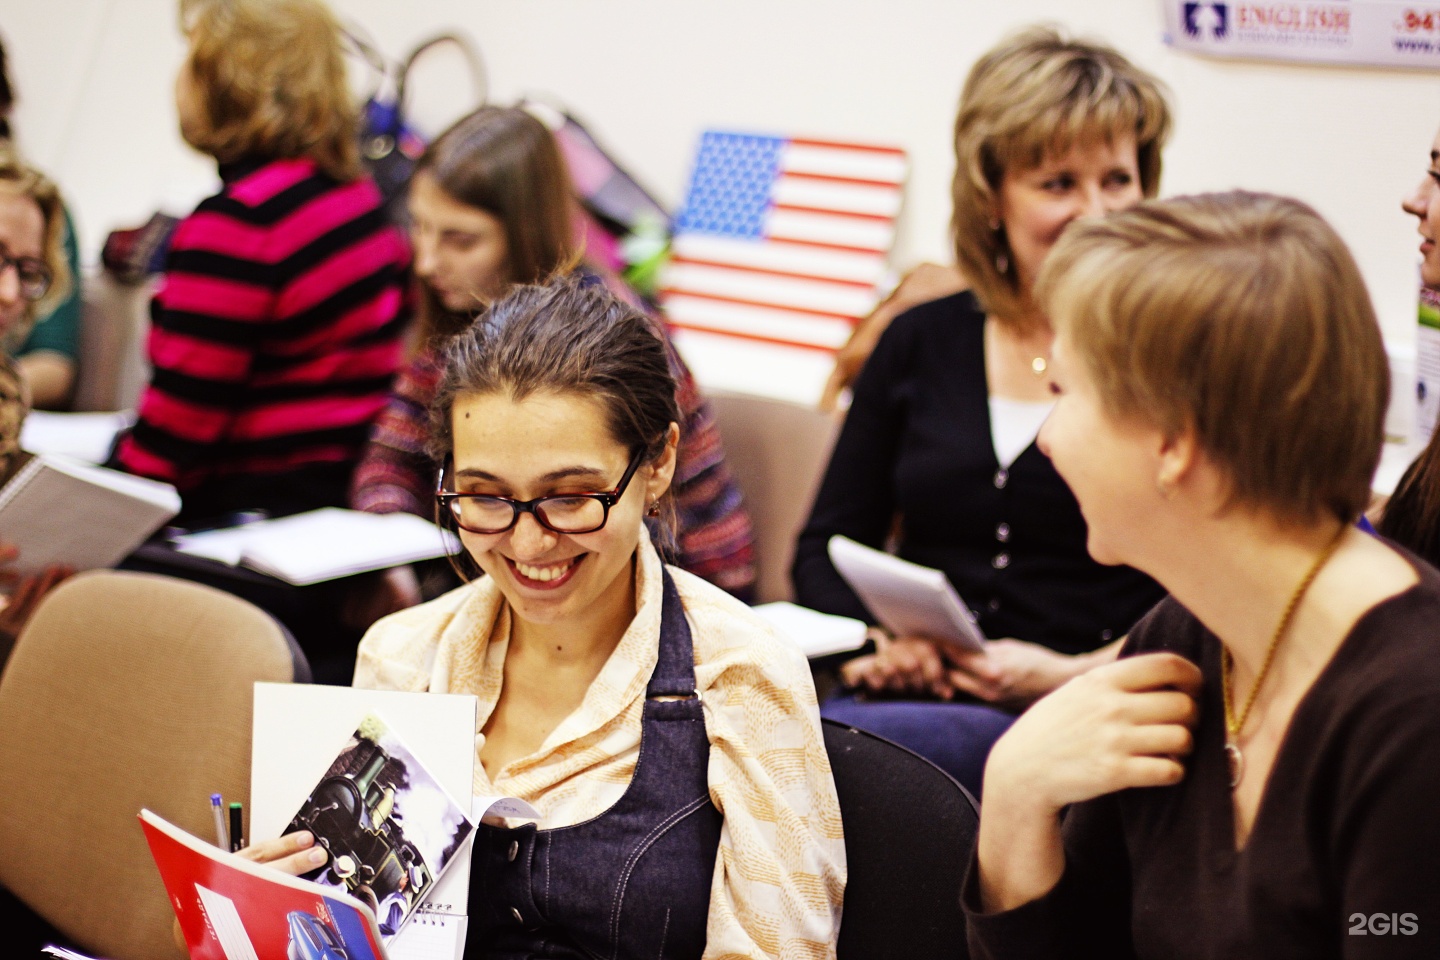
point(780, 249)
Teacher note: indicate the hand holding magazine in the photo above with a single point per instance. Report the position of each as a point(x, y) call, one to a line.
point(231, 908)
point(907, 599)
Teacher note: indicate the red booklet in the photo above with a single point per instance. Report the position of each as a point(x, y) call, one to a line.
point(233, 909)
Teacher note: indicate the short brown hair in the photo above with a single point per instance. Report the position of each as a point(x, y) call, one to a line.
point(505, 162)
point(19, 178)
point(1241, 317)
point(270, 81)
point(1035, 95)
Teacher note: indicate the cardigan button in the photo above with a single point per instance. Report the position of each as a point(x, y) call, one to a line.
point(1002, 532)
point(515, 912)
point(993, 605)
point(513, 851)
point(1002, 477)
point(1001, 561)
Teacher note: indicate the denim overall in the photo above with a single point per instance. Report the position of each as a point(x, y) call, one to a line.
point(634, 882)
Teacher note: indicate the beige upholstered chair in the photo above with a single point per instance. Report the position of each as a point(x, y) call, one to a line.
point(126, 690)
point(778, 451)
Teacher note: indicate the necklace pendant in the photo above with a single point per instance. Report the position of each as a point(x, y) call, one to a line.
point(1236, 761)
point(1038, 365)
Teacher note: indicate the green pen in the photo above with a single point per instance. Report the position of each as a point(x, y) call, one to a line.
point(237, 842)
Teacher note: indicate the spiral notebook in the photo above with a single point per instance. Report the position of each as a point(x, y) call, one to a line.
point(58, 510)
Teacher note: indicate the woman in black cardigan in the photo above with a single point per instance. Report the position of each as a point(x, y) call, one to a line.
point(937, 451)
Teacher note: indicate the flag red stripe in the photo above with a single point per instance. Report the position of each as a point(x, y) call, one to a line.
point(833, 145)
point(755, 337)
point(788, 274)
point(832, 178)
point(874, 217)
point(758, 303)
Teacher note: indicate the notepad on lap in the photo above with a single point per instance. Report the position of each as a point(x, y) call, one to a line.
point(58, 510)
point(816, 634)
point(907, 599)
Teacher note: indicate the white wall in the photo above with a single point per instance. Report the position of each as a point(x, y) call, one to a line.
point(648, 75)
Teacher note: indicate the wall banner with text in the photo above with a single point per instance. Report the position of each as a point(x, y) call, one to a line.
point(1381, 33)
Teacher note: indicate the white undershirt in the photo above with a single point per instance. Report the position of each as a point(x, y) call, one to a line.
point(1014, 424)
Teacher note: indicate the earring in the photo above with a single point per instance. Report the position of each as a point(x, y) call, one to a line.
point(654, 509)
point(1002, 258)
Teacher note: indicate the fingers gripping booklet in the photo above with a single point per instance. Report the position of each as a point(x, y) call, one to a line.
point(395, 882)
point(303, 732)
point(390, 830)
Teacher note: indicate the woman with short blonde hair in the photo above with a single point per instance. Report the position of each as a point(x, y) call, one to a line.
point(49, 274)
point(278, 327)
point(1256, 775)
point(268, 79)
point(1039, 94)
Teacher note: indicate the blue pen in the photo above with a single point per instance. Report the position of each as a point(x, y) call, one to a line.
point(222, 835)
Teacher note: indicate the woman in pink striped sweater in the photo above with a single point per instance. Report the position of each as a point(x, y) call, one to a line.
point(277, 330)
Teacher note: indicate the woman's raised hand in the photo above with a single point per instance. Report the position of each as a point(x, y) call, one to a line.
point(1121, 725)
point(1124, 724)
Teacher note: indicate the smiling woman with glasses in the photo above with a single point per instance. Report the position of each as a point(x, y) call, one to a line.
point(670, 740)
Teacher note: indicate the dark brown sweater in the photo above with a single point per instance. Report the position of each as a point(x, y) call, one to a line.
point(1345, 844)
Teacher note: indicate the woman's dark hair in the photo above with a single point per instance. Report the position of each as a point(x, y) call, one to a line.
point(505, 162)
point(569, 335)
point(1412, 517)
point(7, 94)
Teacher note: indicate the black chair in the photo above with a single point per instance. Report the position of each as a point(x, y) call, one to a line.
point(909, 830)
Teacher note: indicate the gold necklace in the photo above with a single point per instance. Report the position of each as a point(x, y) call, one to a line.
point(1233, 723)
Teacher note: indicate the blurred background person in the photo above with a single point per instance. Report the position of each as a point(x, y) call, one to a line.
point(277, 328)
point(48, 354)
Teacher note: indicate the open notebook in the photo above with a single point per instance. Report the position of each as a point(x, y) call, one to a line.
point(58, 510)
point(322, 544)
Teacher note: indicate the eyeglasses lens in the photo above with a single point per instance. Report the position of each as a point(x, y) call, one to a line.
point(564, 514)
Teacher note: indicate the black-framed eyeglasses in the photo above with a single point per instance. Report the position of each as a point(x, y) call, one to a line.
point(561, 513)
point(34, 276)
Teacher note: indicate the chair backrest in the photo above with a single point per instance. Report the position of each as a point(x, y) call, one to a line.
point(114, 321)
point(909, 831)
point(126, 690)
point(778, 452)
